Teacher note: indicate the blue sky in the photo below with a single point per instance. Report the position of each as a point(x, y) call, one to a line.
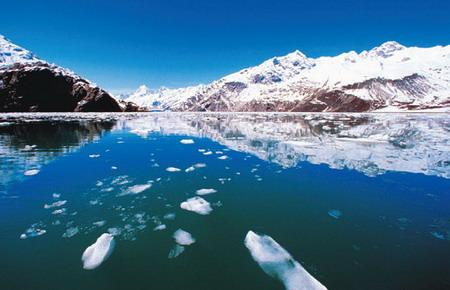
point(121, 44)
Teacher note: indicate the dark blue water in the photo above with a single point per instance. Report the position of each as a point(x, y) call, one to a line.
point(360, 201)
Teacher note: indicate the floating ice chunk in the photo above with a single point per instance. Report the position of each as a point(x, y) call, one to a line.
point(98, 252)
point(56, 195)
point(29, 147)
point(438, 235)
point(59, 211)
point(169, 216)
point(278, 263)
point(183, 238)
point(186, 141)
point(199, 165)
point(197, 205)
point(205, 191)
point(99, 223)
point(175, 251)
point(219, 152)
point(115, 231)
point(70, 232)
point(33, 231)
point(94, 155)
point(173, 169)
point(99, 183)
point(31, 172)
point(55, 204)
point(223, 157)
point(334, 213)
point(160, 227)
point(207, 153)
point(135, 189)
point(201, 150)
point(189, 169)
point(114, 167)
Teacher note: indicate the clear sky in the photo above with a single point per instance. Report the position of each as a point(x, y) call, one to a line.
point(122, 44)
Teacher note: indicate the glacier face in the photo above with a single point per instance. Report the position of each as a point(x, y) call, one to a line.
point(389, 77)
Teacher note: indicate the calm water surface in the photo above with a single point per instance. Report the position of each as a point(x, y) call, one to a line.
point(360, 201)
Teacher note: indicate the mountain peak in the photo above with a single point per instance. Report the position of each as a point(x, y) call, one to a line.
point(386, 49)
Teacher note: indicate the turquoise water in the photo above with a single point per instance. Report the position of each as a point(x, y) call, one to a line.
point(360, 201)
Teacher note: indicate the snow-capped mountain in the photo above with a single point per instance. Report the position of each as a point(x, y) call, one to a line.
point(389, 77)
point(28, 83)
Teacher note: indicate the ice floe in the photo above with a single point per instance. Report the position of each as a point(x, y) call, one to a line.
point(197, 204)
point(199, 165)
point(207, 153)
point(223, 157)
point(186, 141)
point(34, 230)
point(135, 189)
point(189, 169)
point(277, 262)
point(70, 232)
point(97, 253)
point(31, 172)
point(175, 251)
point(55, 204)
point(160, 227)
point(335, 213)
point(183, 238)
point(99, 223)
point(169, 216)
point(205, 191)
point(173, 169)
point(94, 155)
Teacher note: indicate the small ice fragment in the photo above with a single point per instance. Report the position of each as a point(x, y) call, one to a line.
point(199, 165)
point(334, 213)
point(31, 172)
point(205, 191)
point(33, 231)
point(59, 211)
point(173, 169)
point(187, 141)
point(94, 155)
point(197, 205)
point(99, 183)
point(438, 235)
point(160, 227)
point(98, 252)
point(219, 152)
point(99, 223)
point(175, 251)
point(114, 167)
point(201, 150)
point(29, 147)
point(223, 157)
point(183, 238)
point(115, 231)
point(70, 232)
point(56, 195)
point(277, 262)
point(207, 153)
point(169, 216)
point(55, 204)
point(136, 189)
point(189, 169)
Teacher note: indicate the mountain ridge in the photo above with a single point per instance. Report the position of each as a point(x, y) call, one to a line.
point(389, 76)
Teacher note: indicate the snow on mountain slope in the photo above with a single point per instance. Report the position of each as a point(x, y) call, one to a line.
point(390, 75)
point(11, 53)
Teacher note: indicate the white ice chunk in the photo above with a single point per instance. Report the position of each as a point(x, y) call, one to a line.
point(189, 169)
point(175, 251)
point(135, 189)
point(278, 263)
point(55, 204)
point(173, 169)
point(199, 165)
point(197, 205)
point(70, 232)
point(98, 252)
point(208, 153)
point(160, 227)
point(183, 238)
point(94, 155)
point(223, 157)
point(31, 172)
point(205, 191)
point(99, 223)
point(186, 141)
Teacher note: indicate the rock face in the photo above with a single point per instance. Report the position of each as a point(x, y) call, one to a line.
point(28, 84)
point(390, 77)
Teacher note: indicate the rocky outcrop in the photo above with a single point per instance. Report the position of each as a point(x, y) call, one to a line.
point(41, 87)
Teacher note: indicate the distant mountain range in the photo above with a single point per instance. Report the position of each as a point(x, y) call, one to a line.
point(390, 77)
point(29, 84)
